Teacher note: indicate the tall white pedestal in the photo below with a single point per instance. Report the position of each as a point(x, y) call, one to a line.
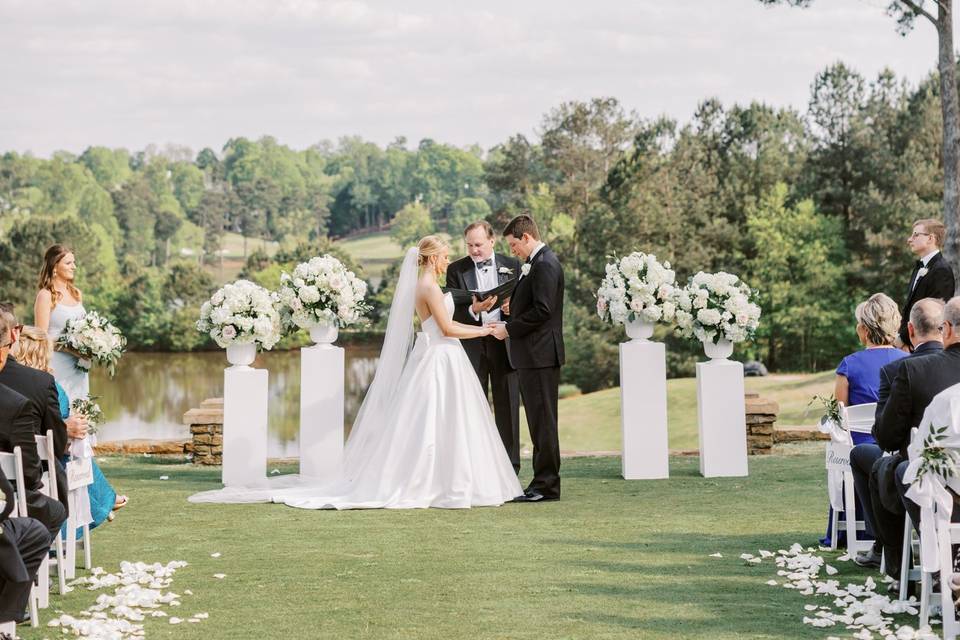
point(643, 410)
point(244, 427)
point(321, 410)
point(720, 414)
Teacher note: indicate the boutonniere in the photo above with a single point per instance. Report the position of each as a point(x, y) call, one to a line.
point(525, 269)
point(505, 270)
point(922, 272)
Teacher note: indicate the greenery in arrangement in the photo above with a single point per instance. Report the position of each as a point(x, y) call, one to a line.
point(749, 189)
point(593, 565)
point(935, 458)
point(831, 409)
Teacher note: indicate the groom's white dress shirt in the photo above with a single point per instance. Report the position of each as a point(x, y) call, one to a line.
point(487, 279)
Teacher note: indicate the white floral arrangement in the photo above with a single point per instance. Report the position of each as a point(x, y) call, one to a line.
point(717, 306)
point(94, 340)
point(321, 292)
point(241, 313)
point(637, 287)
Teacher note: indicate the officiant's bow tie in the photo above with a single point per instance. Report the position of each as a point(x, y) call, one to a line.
point(483, 264)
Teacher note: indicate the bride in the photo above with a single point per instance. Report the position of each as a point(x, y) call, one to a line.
point(424, 436)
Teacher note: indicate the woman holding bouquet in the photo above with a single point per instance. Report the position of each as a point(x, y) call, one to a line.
point(34, 350)
point(59, 301)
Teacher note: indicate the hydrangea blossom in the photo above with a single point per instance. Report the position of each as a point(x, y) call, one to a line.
point(241, 313)
point(637, 287)
point(95, 339)
point(321, 291)
point(716, 306)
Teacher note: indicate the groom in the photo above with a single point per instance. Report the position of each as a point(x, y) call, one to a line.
point(482, 270)
point(534, 334)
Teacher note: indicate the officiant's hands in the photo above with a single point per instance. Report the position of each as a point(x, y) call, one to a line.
point(498, 330)
point(480, 306)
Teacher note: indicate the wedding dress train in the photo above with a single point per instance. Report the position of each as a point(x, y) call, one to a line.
point(425, 439)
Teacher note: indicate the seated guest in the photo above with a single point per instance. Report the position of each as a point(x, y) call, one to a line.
point(24, 542)
point(40, 388)
point(34, 351)
point(915, 383)
point(19, 421)
point(923, 329)
point(858, 375)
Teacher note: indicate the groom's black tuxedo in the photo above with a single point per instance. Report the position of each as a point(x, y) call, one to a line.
point(936, 283)
point(535, 347)
point(489, 355)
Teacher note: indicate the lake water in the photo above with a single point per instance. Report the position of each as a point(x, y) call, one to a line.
point(152, 391)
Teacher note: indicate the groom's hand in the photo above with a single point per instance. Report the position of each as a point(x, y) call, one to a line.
point(505, 307)
point(499, 330)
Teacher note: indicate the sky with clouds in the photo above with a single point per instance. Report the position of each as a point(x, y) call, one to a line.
point(198, 72)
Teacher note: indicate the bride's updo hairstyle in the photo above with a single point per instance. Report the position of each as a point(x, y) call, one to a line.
point(428, 247)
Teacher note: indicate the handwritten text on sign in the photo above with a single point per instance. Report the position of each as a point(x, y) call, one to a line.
point(838, 456)
point(79, 473)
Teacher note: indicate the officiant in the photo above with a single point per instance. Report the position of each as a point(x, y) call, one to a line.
point(482, 270)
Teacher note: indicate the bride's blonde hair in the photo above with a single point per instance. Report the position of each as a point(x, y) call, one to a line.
point(428, 247)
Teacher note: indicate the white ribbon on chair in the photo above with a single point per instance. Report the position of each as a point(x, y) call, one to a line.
point(930, 492)
point(837, 460)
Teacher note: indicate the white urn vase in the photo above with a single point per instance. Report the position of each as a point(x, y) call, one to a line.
point(639, 329)
point(323, 333)
point(242, 355)
point(721, 350)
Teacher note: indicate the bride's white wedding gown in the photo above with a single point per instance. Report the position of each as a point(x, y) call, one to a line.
point(438, 445)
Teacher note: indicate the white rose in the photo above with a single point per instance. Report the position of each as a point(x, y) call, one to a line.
point(708, 316)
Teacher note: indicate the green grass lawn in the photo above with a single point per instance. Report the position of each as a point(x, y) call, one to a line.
point(591, 422)
point(612, 559)
point(377, 251)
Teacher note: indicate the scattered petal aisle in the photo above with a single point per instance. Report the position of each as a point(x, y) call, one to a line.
point(857, 607)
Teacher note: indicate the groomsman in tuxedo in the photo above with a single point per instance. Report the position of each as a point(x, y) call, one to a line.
point(481, 270)
point(534, 331)
point(932, 275)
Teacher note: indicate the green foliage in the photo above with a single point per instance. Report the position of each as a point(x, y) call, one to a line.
point(410, 224)
point(466, 211)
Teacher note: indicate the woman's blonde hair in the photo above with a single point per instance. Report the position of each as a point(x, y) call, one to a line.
point(35, 349)
point(880, 316)
point(428, 247)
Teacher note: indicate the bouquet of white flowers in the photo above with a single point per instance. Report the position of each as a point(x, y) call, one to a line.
point(95, 340)
point(241, 313)
point(321, 292)
point(717, 306)
point(637, 288)
point(88, 408)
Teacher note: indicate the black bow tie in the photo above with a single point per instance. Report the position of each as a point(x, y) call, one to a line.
point(919, 264)
point(483, 264)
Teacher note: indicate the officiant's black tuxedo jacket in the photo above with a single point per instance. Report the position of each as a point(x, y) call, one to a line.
point(41, 390)
point(917, 380)
point(18, 420)
point(462, 274)
point(535, 326)
point(937, 283)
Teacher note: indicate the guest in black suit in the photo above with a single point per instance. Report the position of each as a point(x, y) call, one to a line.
point(926, 318)
point(932, 275)
point(482, 270)
point(534, 331)
point(39, 387)
point(18, 425)
point(915, 383)
point(24, 542)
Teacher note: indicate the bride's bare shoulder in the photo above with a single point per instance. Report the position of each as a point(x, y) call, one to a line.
point(427, 287)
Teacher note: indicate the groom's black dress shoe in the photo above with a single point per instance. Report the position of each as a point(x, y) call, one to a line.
point(533, 496)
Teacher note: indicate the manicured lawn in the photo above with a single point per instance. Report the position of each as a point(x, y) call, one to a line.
point(613, 559)
point(377, 251)
point(591, 422)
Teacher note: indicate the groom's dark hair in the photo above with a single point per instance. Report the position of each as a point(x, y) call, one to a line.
point(520, 225)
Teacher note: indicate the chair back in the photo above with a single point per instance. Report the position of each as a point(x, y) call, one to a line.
point(12, 465)
point(859, 418)
point(45, 450)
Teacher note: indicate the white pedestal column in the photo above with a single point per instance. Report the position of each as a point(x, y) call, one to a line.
point(720, 414)
point(643, 410)
point(244, 427)
point(321, 410)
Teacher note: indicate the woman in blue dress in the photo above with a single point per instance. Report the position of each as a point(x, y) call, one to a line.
point(858, 375)
point(34, 351)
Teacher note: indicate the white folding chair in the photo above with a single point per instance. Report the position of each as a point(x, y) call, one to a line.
point(12, 465)
point(45, 450)
point(79, 476)
point(911, 569)
point(947, 537)
point(856, 418)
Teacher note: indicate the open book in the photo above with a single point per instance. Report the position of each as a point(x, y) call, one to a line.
point(465, 296)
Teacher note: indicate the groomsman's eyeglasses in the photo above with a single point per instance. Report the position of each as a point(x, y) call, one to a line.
point(917, 234)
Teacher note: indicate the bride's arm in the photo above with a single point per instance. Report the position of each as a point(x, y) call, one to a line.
point(435, 302)
point(41, 310)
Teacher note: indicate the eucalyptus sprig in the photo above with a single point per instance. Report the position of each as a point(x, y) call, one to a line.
point(831, 407)
point(935, 458)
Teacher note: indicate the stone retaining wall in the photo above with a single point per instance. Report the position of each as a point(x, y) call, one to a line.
point(206, 432)
point(761, 416)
